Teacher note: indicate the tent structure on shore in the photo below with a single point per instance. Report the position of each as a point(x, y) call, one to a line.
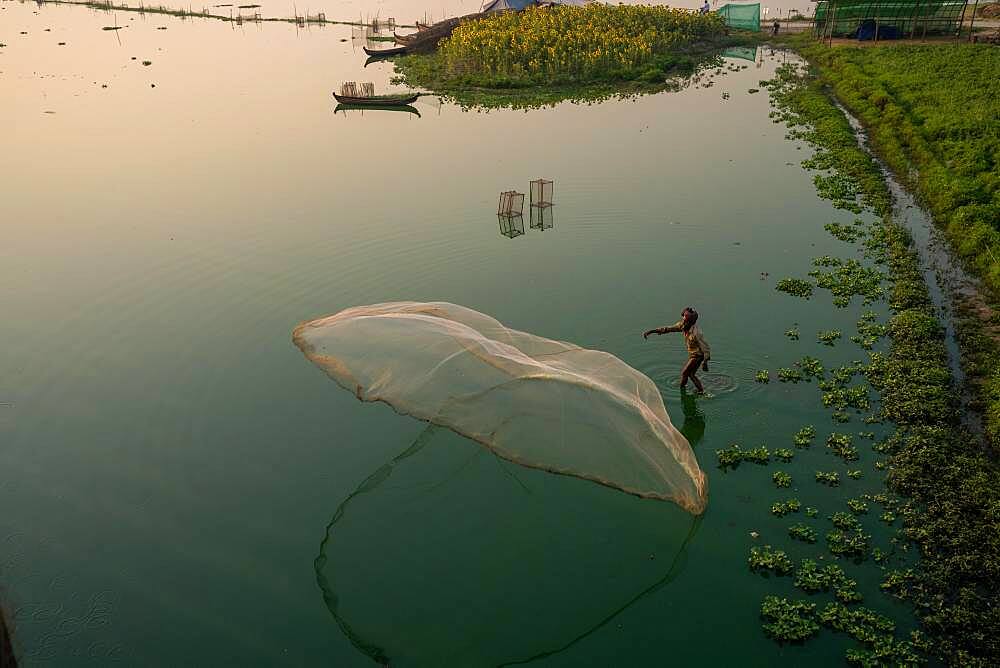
point(493, 6)
point(888, 19)
point(742, 16)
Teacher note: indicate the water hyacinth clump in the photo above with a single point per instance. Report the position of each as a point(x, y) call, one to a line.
point(788, 620)
point(802, 532)
point(804, 437)
point(795, 287)
point(732, 456)
point(768, 560)
point(782, 508)
point(576, 43)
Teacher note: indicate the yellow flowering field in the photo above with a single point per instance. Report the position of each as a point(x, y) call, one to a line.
point(595, 41)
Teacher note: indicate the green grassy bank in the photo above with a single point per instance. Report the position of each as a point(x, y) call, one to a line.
point(941, 480)
point(933, 114)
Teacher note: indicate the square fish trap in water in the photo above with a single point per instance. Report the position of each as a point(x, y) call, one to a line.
point(541, 193)
point(511, 204)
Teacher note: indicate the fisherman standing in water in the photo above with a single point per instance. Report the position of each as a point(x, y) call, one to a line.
point(699, 352)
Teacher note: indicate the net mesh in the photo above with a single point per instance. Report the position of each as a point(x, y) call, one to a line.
point(893, 19)
point(743, 17)
point(540, 403)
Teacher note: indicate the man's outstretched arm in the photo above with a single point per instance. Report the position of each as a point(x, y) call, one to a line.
point(664, 330)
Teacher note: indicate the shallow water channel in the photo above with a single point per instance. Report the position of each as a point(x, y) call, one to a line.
point(179, 485)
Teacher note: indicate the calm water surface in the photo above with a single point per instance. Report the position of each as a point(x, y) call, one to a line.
point(179, 485)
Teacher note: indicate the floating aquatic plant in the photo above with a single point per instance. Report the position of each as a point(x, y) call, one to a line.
point(842, 446)
point(843, 543)
point(802, 532)
point(804, 437)
point(848, 233)
point(851, 279)
point(788, 621)
point(792, 333)
point(762, 376)
point(809, 577)
point(842, 398)
point(767, 560)
point(787, 375)
point(811, 367)
point(781, 479)
point(827, 261)
point(782, 508)
point(795, 287)
point(732, 456)
point(829, 337)
point(831, 478)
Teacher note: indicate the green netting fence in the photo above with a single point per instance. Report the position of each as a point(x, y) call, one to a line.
point(743, 17)
point(892, 18)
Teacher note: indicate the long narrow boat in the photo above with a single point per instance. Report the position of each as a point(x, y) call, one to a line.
point(378, 100)
point(385, 53)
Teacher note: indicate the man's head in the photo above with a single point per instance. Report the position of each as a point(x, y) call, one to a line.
point(689, 316)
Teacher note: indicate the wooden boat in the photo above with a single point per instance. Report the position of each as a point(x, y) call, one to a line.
point(385, 53)
point(378, 100)
point(375, 107)
point(404, 39)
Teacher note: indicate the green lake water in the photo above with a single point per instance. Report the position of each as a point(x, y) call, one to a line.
point(174, 474)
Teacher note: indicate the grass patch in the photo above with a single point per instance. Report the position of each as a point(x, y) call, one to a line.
point(933, 114)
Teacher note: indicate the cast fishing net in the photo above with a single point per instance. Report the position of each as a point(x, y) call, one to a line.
point(540, 403)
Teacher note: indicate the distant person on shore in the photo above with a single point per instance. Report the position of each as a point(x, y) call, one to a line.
point(699, 352)
point(775, 27)
point(704, 8)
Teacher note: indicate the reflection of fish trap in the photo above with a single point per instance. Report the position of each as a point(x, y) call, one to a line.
point(511, 204)
point(511, 226)
point(541, 193)
point(541, 218)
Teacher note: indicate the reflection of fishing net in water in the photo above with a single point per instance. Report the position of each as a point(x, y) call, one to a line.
point(540, 403)
point(742, 52)
point(449, 556)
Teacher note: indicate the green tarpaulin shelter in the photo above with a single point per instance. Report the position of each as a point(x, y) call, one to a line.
point(893, 18)
point(743, 17)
